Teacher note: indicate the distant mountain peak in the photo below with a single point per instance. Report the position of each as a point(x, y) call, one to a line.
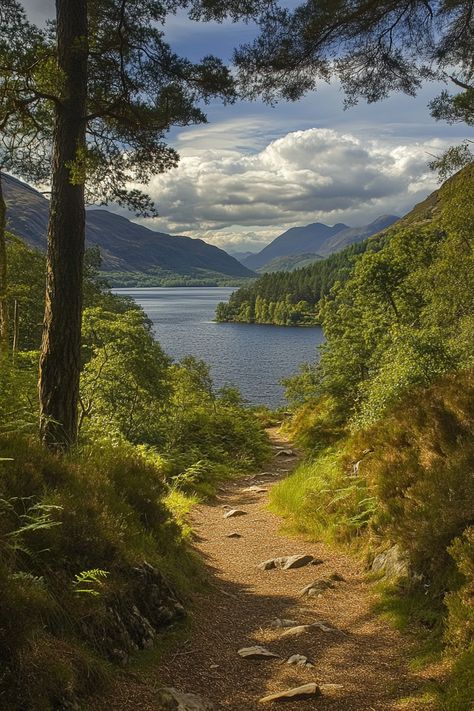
point(315, 238)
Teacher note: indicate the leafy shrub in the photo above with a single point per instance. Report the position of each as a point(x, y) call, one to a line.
point(423, 473)
point(316, 424)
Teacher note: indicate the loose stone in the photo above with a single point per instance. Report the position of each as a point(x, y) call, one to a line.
point(321, 626)
point(285, 453)
point(317, 587)
point(297, 561)
point(234, 512)
point(286, 562)
point(299, 660)
point(234, 534)
point(295, 631)
point(256, 653)
point(299, 692)
point(255, 488)
point(281, 623)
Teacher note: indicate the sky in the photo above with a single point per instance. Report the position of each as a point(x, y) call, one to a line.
point(254, 171)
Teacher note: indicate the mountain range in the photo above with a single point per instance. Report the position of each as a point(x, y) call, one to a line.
point(133, 255)
point(316, 239)
point(125, 246)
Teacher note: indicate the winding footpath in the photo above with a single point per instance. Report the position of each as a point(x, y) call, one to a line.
point(359, 662)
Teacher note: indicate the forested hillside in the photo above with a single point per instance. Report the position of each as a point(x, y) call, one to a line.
point(387, 419)
point(294, 298)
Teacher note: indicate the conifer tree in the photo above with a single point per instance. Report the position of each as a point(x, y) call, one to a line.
point(120, 89)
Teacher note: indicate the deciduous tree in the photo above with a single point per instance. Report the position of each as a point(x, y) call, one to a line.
point(24, 119)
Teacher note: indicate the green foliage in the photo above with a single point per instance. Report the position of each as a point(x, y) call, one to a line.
point(124, 379)
point(155, 438)
point(423, 475)
point(405, 314)
point(320, 500)
point(316, 425)
point(26, 269)
point(101, 509)
point(372, 48)
point(459, 633)
point(89, 582)
point(452, 160)
point(18, 395)
point(209, 434)
point(460, 624)
point(458, 693)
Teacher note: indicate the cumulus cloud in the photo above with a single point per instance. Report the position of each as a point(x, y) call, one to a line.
point(242, 199)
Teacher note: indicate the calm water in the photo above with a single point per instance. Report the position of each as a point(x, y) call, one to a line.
point(253, 358)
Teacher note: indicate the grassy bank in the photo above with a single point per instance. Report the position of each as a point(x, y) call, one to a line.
point(407, 481)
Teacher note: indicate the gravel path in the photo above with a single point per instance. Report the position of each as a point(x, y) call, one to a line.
point(362, 653)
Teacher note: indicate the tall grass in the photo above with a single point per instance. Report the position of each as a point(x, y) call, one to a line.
point(408, 480)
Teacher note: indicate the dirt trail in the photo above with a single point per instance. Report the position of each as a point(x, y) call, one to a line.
point(363, 654)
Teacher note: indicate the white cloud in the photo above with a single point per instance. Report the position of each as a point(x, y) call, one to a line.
point(242, 199)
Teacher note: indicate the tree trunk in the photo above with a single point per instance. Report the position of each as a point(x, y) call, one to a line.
point(60, 351)
point(4, 334)
point(16, 329)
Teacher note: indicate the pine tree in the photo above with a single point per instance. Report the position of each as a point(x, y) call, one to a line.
point(120, 88)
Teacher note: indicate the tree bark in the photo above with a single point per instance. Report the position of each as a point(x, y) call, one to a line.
point(60, 351)
point(16, 329)
point(4, 331)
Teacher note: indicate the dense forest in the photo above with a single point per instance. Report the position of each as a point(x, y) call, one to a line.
point(386, 417)
point(290, 298)
point(168, 278)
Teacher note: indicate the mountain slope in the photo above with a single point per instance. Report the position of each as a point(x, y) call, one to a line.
point(289, 264)
point(356, 234)
point(297, 240)
point(124, 245)
point(317, 238)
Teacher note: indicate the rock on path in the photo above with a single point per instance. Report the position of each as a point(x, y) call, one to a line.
point(232, 513)
point(299, 692)
point(287, 562)
point(256, 652)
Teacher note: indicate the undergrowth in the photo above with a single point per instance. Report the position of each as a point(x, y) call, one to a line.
point(71, 530)
point(413, 487)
